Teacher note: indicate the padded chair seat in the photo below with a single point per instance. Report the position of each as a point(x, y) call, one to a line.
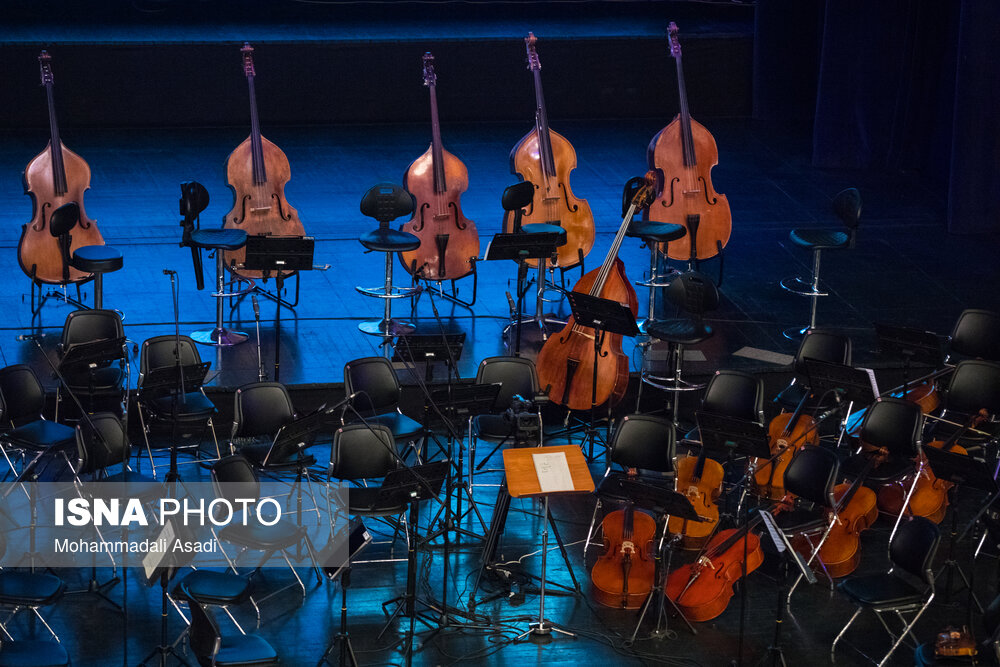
point(610, 487)
point(33, 653)
point(363, 501)
point(258, 536)
point(215, 588)
point(545, 228)
point(29, 588)
point(681, 332)
point(800, 520)
point(257, 453)
point(97, 259)
point(493, 427)
point(879, 590)
point(402, 427)
point(888, 471)
point(819, 239)
point(132, 477)
point(41, 434)
point(195, 406)
point(660, 232)
point(389, 240)
point(243, 650)
point(226, 239)
point(105, 379)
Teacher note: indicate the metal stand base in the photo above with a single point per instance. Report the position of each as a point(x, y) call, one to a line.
point(219, 337)
point(388, 328)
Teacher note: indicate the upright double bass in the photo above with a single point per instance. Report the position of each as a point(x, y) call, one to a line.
point(449, 242)
point(545, 158)
point(683, 154)
point(257, 172)
point(54, 177)
point(566, 363)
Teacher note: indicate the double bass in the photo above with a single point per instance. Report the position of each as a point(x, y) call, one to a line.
point(683, 154)
point(257, 172)
point(545, 158)
point(449, 242)
point(54, 177)
point(623, 576)
point(566, 363)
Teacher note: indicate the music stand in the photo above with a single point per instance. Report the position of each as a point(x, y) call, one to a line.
point(911, 345)
point(166, 377)
point(429, 348)
point(92, 355)
point(161, 567)
point(604, 316)
point(722, 433)
point(357, 538)
point(856, 384)
point(521, 247)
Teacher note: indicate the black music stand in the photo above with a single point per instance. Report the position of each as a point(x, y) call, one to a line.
point(429, 348)
point(161, 567)
point(521, 247)
point(280, 256)
point(728, 435)
point(180, 380)
point(855, 384)
point(604, 316)
point(357, 538)
point(410, 486)
point(911, 345)
point(93, 355)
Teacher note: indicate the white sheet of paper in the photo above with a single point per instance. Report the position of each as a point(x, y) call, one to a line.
point(152, 560)
point(553, 472)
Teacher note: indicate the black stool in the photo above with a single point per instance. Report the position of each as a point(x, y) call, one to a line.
point(847, 207)
point(385, 202)
point(220, 240)
point(97, 259)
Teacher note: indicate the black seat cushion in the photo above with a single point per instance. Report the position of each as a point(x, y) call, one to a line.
point(389, 240)
point(33, 653)
point(611, 487)
point(545, 228)
point(245, 651)
point(106, 379)
point(364, 501)
point(29, 588)
point(819, 239)
point(195, 406)
point(888, 471)
point(255, 535)
point(800, 520)
point(97, 259)
point(257, 454)
point(881, 590)
point(209, 587)
point(660, 232)
point(681, 332)
point(146, 491)
point(402, 427)
point(227, 239)
point(40, 435)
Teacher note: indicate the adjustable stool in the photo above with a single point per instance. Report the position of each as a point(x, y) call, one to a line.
point(385, 202)
point(847, 207)
point(97, 259)
point(219, 240)
point(543, 228)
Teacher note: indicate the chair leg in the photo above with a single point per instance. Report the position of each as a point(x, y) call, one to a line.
point(833, 646)
point(590, 530)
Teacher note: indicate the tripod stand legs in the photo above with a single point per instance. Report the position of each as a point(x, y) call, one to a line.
point(544, 628)
point(342, 640)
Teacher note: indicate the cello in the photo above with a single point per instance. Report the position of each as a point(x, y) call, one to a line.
point(449, 242)
point(257, 172)
point(581, 369)
point(623, 576)
point(545, 158)
point(700, 480)
point(54, 177)
point(683, 154)
point(787, 433)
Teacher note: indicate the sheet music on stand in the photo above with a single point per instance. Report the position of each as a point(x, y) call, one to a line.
point(854, 384)
point(552, 469)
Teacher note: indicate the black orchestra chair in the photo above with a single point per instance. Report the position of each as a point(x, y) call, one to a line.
point(732, 394)
point(976, 335)
point(652, 234)
point(102, 443)
point(694, 294)
point(24, 590)
point(214, 649)
point(26, 432)
point(98, 384)
point(517, 377)
point(373, 383)
point(907, 588)
point(185, 415)
point(847, 207)
point(974, 386)
point(385, 202)
point(987, 646)
point(211, 588)
point(644, 443)
point(822, 346)
point(97, 260)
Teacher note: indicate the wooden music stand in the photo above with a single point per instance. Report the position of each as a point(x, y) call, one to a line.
point(523, 482)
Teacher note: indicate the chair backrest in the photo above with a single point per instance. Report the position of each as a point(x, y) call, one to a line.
point(893, 423)
point(64, 219)
point(386, 202)
point(203, 634)
point(847, 207)
point(22, 393)
point(158, 352)
point(975, 384)
point(812, 474)
point(84, 326)
point(976, 335)
point(238, 475)
point(261, 408)
point(376, 378)
point(693, 293)
point(101, 442)
point(645, 442)
point(735, 394)
point(914, 546)
point(360, 452)
point(515, 375)
point(822, 346)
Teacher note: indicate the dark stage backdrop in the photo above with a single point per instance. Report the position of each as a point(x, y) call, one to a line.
point(895, 84)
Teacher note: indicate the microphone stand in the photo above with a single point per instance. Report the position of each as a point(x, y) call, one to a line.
point(256, 315)
point(173, 476)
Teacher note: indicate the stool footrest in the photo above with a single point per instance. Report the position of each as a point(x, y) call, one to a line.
point(660, 382)
point(796, 285)
point(394, 293)
point(234, 285)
